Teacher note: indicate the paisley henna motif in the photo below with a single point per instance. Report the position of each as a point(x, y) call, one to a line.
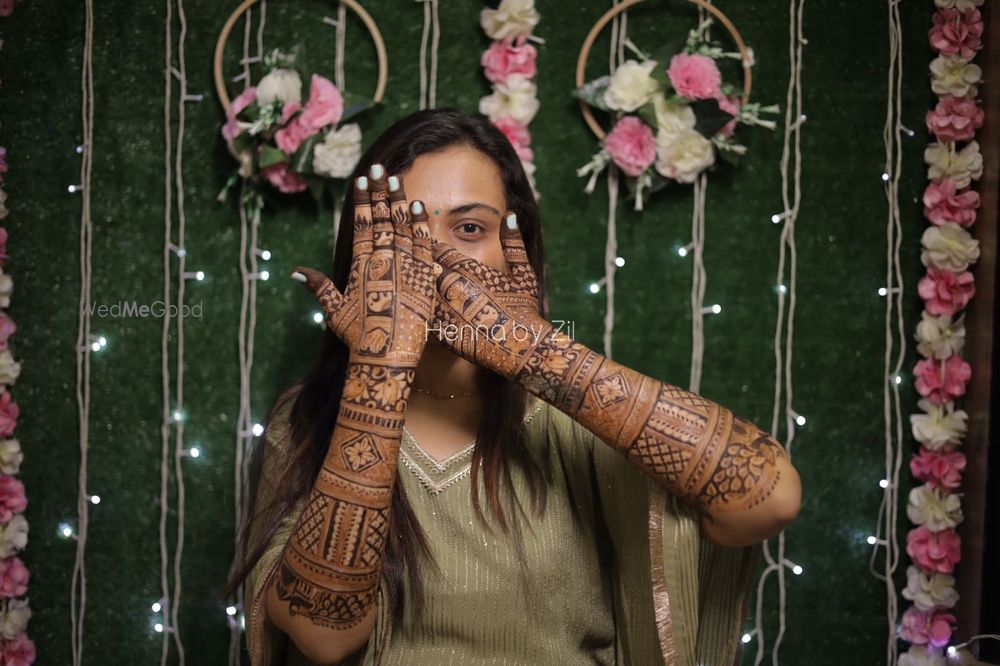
point(331, 566)
point(698, 449)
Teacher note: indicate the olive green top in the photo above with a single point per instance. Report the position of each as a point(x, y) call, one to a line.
point(594, 590)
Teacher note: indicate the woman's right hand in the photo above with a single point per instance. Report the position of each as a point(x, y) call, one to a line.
point(388, 302)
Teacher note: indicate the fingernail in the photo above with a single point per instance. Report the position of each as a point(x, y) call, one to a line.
point(512, 221)
point(393, 183)
point(376, 171)
point(298, 277)
point(416, 208)
point(362, 183)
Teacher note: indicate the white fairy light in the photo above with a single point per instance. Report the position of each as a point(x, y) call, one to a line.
point(230, 611)
point(194, 275)
point(747, 638)
point(796, 569)
point(799, 419)
point(885, 177)
point(156, 607)
point(79, 149)
point(263, 254)
point(683, 251)
point(257, 430)
point(65, 530)
point(263, 275)
point(317, 317)
point(158, 627)
point(594, 287)
point(193, 98)
point(179, 251)
point(782, 289)
point(193, 452)
point(882, 291)
point(94, 499)
point(712, 309)
point(73, 189)
point(619, 261)
point(883, 483)
point(178, 415)
point(897, 379)
point(778, 217)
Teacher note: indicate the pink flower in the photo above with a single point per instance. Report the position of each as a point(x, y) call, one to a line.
point(287, 111)
point(13, 577)
point(17, 652)
point(284, 180)
point(957, 33)
point(3, 244)
point(955, 119)
point(291, 136)
point(502, 59)
point(231, 129)
point(943, 204)
point(518, 135)
point(6, 7)
point(730, 105)
point(7, 329)
point(694, 76)
point(934, 552)
point(925, 628)
point(9, 411)
point(945, 292)
point(325, 105)
point(940, 382)
point(631, 145)
point(12, 498)
point(940, 469)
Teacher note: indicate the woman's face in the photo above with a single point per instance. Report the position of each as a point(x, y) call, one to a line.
point(464, 196)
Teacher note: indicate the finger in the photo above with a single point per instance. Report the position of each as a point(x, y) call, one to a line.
point(362, 217)
point(381, 216)
point(421, 233)
point(447, 256)
point(513, 245)
point(321, 286)
point(400, 213)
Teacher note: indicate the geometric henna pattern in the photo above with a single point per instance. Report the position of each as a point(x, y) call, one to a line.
point(331, 566)
point(696, 448)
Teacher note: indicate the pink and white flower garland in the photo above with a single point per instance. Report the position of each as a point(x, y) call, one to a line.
point(16, 649)
point(509, 64)
point(950, 205)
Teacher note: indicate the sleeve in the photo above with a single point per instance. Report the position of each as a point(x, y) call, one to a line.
point(266, 643)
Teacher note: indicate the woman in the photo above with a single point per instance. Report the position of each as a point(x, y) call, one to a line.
point(645, 500)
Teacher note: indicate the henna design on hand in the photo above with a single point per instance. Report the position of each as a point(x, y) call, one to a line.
point(697, 448)
point(330, 568)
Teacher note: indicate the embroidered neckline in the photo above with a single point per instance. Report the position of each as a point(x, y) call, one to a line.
point(437, 475)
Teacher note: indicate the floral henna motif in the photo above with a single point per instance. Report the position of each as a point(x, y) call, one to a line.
point(331, 566)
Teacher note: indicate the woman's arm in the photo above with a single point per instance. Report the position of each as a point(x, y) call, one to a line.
point(736, 474)
point(324, 594)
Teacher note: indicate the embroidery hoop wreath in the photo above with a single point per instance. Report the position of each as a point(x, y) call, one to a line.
point(581, 66)
point(353, 5)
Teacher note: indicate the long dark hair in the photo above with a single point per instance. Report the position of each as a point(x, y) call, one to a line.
point(500, 438)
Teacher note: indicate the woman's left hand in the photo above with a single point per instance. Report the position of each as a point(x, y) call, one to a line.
point(487, 316)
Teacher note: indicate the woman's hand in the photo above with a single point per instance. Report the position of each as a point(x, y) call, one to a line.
point(389, 299)
point(486, 316)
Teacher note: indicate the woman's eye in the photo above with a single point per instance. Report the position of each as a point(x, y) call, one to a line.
point(470, 228)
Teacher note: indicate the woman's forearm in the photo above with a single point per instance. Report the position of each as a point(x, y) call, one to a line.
point(736, 474)
point(329, 571)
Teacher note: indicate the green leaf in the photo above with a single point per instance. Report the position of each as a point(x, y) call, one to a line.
point(301, 161)
point(668, 50)
point(353, 105)
point(317, 186)
point(270, 155)
point(730, 156)
point(659, 74)
point(242, 142)
point(709, 118)
point(648, 113)
point(593, 93)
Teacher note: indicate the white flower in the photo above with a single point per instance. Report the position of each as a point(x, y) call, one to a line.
point(13, 535)
point(339, 153)
point(949, 246)
point(512, 18)
point(10, 456)
point(515, 98)
point(960, 5)
point(281, 84)
point(6, 289)
point(929, 506)
point(14, 616)
point(940, 427)
point(929, 592)
point(963, 166)
point(9, 368)
point(683, 156)
point(631, 86)
point(952, 75)
point(939, 337)
point(919, 655)
point(672, 118)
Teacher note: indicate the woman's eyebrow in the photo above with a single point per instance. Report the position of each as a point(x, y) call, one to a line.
point(465, 208)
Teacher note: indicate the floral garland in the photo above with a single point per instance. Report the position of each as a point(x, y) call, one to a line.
point(16, 648)
point(950, 206)
point(284, 143)
point(509, 64)
point(671, 120)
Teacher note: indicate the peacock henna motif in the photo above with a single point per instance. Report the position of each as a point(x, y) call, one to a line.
point(331, 565)
point(696, 448)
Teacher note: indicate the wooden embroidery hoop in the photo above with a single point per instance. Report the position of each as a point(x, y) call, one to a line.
point(220, 83)
point(581, 61)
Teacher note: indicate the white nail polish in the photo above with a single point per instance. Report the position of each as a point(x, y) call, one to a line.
point(512, 221)
point(416, 208)
point(362, 183)
point(376, 171)
point(298, 277)
point(393, 183)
